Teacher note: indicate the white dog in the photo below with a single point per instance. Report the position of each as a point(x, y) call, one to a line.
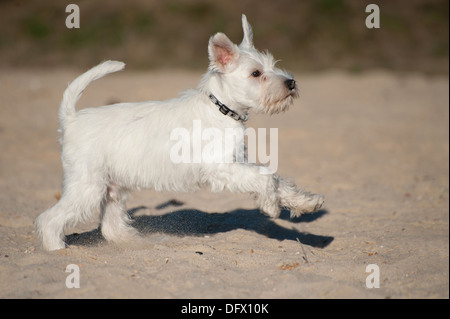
point(111, 150)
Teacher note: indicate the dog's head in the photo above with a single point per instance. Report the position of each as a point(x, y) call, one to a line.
point(249, 77)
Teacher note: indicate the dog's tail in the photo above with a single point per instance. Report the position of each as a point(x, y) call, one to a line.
point(76, 88)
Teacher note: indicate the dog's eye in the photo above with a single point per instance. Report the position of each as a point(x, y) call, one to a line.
point(256, 73)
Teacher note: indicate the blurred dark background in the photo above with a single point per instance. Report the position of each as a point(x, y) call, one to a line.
point(306, 35)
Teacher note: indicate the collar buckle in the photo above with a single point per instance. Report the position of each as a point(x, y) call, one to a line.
point(227, 111)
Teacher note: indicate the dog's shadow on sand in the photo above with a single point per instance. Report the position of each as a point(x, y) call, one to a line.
point(191, 222)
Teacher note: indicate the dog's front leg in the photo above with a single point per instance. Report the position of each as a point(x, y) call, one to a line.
point(297, 200)
point(271, 191)
point(243, 178)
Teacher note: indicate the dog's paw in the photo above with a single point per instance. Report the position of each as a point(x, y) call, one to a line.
point(273, 211)
point(313, 204)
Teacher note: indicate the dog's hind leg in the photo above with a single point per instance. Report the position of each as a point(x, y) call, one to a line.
point(77, 203)
point(81, 198)
point(50, 227)
point(115, 225)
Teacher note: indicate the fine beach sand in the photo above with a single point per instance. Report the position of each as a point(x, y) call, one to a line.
point(376, 144)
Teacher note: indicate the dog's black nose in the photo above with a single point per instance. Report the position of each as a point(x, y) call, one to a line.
point(290, 84)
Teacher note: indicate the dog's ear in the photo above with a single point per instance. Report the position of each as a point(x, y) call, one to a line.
point(247, 41)
point(223, 54)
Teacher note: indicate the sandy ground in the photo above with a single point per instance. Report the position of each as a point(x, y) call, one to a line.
point(375, 144)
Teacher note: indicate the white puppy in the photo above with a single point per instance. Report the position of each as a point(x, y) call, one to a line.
point(109, 151)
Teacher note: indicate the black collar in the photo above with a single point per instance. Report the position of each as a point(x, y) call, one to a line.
point(227, 111)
